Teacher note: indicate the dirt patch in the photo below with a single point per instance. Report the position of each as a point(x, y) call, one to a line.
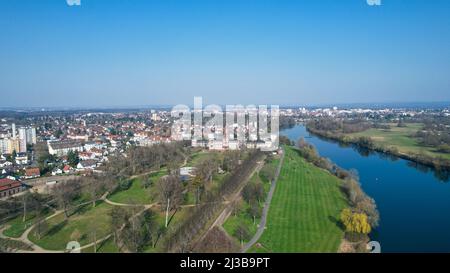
point(217, 241)
point(353, 247)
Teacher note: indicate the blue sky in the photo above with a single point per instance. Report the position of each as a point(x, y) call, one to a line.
point(146, 52)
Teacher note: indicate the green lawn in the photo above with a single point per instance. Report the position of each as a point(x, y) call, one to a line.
point(304, 213)
point(198, 157)
point(243, 216)
point(18, 227)
point(137, 194)
point(107, 246)
point(400, 137)
point(82, 222)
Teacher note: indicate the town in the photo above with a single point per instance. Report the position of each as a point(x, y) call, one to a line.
point(53, 144)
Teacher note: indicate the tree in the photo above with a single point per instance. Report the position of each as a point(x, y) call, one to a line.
point(73, 158)
point(197, 183)
point(253, 192)
point(135, 233)
point(65, 193)
point(93, 189)
point(119, 216)
point(368, 206)
point(170, 193)
point(207, 168)
point(58, 133)
point(41, 227)
point(147, 183)
point(151, 227)
point(268, 172)
point(230, 160)
point(254, 210)
point(301, 143)
point(25, 199)
point(93, 230)
point(355, 222)
point(242, 232)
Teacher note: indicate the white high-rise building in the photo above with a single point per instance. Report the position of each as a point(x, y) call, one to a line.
point(31, 135)
point(22, 140)
point(13, 129)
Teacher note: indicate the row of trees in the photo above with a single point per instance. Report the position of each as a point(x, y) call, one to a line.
point(143, 159)
point(182, 235)
point(336, 125)
point(135, 228)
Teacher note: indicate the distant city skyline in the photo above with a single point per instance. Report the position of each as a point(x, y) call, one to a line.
point(135, 53)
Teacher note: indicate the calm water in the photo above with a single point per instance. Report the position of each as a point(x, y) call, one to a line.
point(414, 201)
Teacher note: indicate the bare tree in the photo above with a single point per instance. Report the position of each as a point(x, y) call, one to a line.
point(92, 187)
point(119, 216)
point(242, 232)
point(170, 193)
point(65, 193)
point(25, 200)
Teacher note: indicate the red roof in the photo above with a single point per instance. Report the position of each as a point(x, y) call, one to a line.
point(32, 172)
point(7, 184)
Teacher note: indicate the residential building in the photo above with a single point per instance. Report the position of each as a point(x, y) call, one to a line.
point(87, 164)
point(22, 140)
point(32, 173)
point(9, 187)
point(61, 148)
point(30, 135)
point(22, 158)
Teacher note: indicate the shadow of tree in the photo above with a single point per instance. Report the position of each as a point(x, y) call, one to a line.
point(337, 222)
point(53, 230)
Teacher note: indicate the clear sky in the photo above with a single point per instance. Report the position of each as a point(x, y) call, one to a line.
point(146, 52)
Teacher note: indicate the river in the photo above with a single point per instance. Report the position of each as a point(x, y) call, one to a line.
point(413, 200)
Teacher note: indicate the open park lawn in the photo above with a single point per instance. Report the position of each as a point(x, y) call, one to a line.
point(400, 137)
point(305, 209)
point(17, 226)
point(137, 193)
point(78, 227)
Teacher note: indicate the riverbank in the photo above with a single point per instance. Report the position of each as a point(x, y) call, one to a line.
point(305, 210)
point(368, 143)
point(410, 198)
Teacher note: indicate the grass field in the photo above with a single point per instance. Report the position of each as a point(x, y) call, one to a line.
point(243, 216)
point(401, 138)
point(198, 157)
point(17, 226)
point(82, 222)
point(304, 213)
point(137, 194)
point(107, 246)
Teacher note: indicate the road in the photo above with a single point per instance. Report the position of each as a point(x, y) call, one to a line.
point(262, 223)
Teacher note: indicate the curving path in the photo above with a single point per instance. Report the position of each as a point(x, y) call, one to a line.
point(262, 223)
point(37, 249)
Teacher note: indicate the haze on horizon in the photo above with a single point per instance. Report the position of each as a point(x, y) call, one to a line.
point(127, 53)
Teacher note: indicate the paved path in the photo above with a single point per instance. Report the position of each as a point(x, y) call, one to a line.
point(262, 223)
point(37, 249)
point(220, 220)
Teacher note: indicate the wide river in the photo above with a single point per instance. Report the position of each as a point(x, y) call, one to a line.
point(413, 201)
